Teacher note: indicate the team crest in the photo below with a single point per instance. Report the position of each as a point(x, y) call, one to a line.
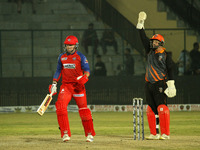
point(86, 61)
point(68, 39)
point(65, 58)
point(74, 58)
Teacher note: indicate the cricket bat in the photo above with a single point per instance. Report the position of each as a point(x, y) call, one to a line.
point(43, 107)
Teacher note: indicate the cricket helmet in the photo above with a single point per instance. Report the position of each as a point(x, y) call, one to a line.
point(71, 40)
point(159, 38)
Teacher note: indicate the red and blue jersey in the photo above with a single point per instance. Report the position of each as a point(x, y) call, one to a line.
point(70, 66)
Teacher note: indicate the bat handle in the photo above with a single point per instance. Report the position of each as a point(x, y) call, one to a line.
point(51, 94)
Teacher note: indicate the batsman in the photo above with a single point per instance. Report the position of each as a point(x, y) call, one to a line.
point(159, 82)
point(74, 69)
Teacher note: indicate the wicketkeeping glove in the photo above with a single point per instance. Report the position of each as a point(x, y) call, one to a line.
point(82, 79)
point(53, 88)
point(171, 89)
point(142, 17)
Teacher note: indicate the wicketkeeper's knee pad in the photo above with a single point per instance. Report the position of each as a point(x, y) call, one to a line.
point(87, 121)
point(164, 117)
point(151, 120)
point(62, 117)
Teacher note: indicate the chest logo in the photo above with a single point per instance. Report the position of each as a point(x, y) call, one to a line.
point(74, 58)
point(69, 66)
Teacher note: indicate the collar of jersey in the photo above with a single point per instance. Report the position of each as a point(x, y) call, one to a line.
point(71, 54)
point(160, 51)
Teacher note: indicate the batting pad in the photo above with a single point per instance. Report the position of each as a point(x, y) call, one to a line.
point(62, 117)
point(164, 117)
point(87, 121)
point(151, 120)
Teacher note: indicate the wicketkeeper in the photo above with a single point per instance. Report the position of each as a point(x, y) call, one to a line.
point(74, 69)
point(159, 69)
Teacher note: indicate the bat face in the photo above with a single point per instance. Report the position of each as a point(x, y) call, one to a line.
point(48, 100)
point(40, 111)
point(44, 104)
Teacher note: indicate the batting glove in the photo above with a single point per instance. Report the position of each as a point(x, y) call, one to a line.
point(82, 79)
point(53, 88)
point(171, 89)
point(142, 17)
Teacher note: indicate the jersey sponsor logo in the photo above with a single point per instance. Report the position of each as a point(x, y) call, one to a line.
point(69, 66)
point(64, 58)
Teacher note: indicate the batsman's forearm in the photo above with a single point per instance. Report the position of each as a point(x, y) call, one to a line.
point(86, 73)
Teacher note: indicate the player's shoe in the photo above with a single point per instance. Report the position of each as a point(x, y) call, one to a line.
point(164, 137)
point(65, 138)
point(90, 138)
point(153, 137)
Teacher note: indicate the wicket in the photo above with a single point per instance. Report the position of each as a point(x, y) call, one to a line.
point(138, 103)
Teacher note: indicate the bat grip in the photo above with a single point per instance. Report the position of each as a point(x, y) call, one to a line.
point(51, 94)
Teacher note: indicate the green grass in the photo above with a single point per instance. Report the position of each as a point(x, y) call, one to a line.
point(106, 123)
point(114, 130)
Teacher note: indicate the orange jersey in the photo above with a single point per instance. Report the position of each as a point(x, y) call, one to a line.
point(156, 66)
point(159, 64)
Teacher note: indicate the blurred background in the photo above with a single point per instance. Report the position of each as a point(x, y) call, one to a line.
point(32, 33)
